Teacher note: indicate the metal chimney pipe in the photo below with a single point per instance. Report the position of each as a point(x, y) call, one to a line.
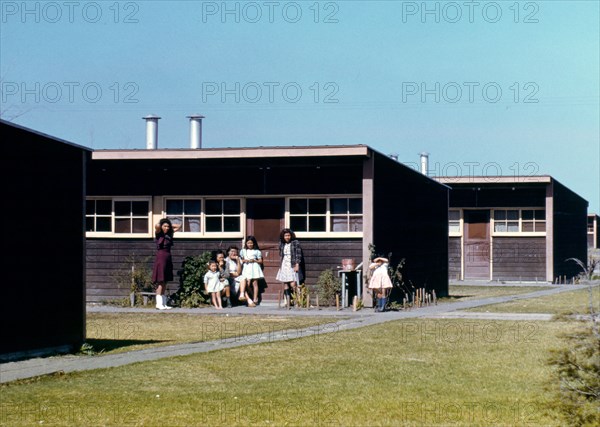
point(151, 131)
point(394, 156)
point(195, 131)
point(424, 163)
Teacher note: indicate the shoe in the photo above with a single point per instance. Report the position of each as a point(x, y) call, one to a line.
point(228, 302)
point(242, 298)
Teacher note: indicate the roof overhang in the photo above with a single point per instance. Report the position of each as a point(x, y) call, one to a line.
point(449, 180)
point(234, 153)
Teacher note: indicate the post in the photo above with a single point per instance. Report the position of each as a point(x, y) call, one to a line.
point(279, 299)
point(337, 302)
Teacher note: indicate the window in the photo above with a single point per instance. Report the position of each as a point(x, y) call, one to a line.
point(131, 217)
point(117, 216)
point(454, 221)
point(533, 220)
point(345, 215)
point(205, 216)
point(506, 221)
point(223, 216)
point(98, 216)
point(187, 212)
point(519, 220)
point(321, 215)
point(590, 224)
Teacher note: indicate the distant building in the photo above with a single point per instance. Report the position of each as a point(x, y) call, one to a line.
point(593, 234)
point(514, 228)
point(338, 200)
point(43, 308)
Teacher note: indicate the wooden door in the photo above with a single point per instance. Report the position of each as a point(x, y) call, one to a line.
point(477, 244)
point(265, 220)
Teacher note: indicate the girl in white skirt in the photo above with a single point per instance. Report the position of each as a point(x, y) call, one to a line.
point(251, 270)
point(213, 284)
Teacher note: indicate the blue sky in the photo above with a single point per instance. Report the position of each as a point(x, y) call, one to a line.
point(509, 87)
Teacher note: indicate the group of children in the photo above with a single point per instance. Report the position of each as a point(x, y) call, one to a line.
point(237, 274)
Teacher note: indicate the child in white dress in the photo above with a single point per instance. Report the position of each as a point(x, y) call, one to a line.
point(251, 258)
point(213, 285)
point(380, 280)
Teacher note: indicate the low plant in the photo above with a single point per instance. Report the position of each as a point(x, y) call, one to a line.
point(300, 297)
point(191, 281)
point(328, 286)
point(134, 274)
point(578, 373)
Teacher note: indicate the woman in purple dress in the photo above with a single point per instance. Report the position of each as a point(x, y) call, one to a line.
point(163, 264)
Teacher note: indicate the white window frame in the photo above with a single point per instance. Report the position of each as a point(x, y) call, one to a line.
point(209, 234)
point(458, 233)
point(519, 233)
point(327, 215)
point(112, 233)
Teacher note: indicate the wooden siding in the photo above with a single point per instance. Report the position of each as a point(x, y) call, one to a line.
point(45, 192)
point(107, 257)
point(519, 258)
point(454, 258)
point(570, 231)
point(410, 219)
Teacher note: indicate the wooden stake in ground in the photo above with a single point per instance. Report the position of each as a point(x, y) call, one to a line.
point(354, 302)
point(317, 301)
point(337, 302)
point(307, 299)
point(279, 299)
point(434, 297)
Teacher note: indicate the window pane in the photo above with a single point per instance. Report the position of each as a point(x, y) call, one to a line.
point(454, 215)
point(514, 215)
point(317, 206)
point(298, 206)
point(527, 214)
point(454, 227)
point(103, 207)
point(174, 207)
point(231, 223)
point(175, 220)
point(139, 208)
point(528, 226)
point(103, 224)
point(540, 214)
point(214, 207)
point(191, 225)
point(540, 226)
point(298, 223)
point(499, 215)
point(213, 224)
point(90, 207)
point(192, 207)
point(338, 206)
point(231, 207)
point(500, 227)
point(339, 223)
point(316, 223)
point(512, 226)
point(89, 223)
point(140, 225)
point(122, 225)
point(122, 208)
point(355, 206)
point(356, 223)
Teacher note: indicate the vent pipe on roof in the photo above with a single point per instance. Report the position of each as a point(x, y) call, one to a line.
point(151, 131)
point(394, 156)
point(424, 163)
point(195, 131)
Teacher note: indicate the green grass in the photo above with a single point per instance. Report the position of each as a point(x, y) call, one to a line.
point(466, 293)
point(120, 332)
point(574, 302)
point(411, 372)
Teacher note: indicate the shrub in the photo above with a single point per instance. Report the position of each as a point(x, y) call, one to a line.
point(191, 281)
point(328, 286)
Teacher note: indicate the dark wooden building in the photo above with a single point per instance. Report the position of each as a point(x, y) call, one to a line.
point(43, 308)
point(338, 200)
point(514, 228)
point(593, 233)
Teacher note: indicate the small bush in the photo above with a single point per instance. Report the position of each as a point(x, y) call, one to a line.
point(328, 286)
point(191, 281)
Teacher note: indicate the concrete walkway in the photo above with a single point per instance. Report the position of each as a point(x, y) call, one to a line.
point(42, 366)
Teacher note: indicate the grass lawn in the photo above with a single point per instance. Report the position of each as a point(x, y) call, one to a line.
point(574, 302)
point(465, 293)
point(119, 332)
point(410, 372)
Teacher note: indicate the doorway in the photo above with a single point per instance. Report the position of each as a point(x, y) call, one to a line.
point(265, 218)
point(477, 244)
